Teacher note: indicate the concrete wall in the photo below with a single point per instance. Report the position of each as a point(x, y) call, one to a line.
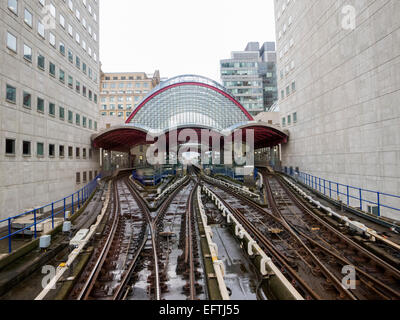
point(31, 181)
point(347, 92)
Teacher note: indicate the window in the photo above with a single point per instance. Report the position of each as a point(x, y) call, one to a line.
point(70, 116)
point(27, 97)
point(41, 61)
point(78, 151)
point(26, 148)
point(78, 87)
point(27, 53)
point(78, 177)
point(62, 76)
point(62, 48)
point(62, 21)
point(84, 153)
point(62, 113)
point(289, 120)
point(70, 152)
point(78, 119)
point(90, 124)
point(52, 39)
point(84, 121)
point(11, 94)
point(10, 146)
point(293, 86)
point(70, 82)
point(78, 62)
point(28, 17)
point(95, 125)
point(40, 105)
point(40, 149)
point(84, 176)
point(70, 56)
point(11, 42)
point(283, 122)
point(61, 151)
point(52, 109)
point(295, 117)
point(41, 29)
point(90, 175)
point(287, 90)
point(52, 150)
point(52, 69)
point(13, 6)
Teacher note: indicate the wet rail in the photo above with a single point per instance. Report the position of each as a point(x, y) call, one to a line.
point(375, 278)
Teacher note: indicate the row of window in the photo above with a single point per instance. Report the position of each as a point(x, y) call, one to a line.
point(121, 99)
point(11, 97)
point(119, 114)
point(41, 64)
point(85, 175)
point(108, 78)
point(28, 19)
point(123, 85)
point(293, 87)
point(120, 107)
point(40, 150)
point(289, 119)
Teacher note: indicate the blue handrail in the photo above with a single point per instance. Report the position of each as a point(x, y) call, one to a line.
point(339, 191)
point(153, 179)
point(66, 203)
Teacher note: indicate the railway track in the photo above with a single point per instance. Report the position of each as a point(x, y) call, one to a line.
point(375, 278)
point(275, 241)
point(111, 267)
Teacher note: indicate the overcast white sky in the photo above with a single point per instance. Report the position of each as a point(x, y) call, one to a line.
point(179, 36)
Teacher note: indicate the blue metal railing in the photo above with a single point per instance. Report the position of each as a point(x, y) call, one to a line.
point(350, 194)
point(54, 209)
point(227, 172)
point(153, 179)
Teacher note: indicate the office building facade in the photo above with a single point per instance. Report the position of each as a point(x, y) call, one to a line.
point(49, 103)
point(338, 66)
point(121, 93)
point(250, 76)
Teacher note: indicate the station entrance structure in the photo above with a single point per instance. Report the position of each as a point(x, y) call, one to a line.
point(188, 102)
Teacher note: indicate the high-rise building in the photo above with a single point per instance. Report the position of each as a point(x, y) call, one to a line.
point(49, 103)
point(339, 90)
point(121, 93)
point(250, 76)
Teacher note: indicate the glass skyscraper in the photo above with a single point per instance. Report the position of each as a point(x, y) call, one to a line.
point(250, 76)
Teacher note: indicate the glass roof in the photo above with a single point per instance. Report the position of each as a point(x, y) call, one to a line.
point(189, 100)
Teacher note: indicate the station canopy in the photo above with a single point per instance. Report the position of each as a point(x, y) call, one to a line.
point(187, 102)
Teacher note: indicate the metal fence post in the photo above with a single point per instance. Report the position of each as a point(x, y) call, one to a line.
point(9, 235)
point(79, 201)
point(324, 187)
point(52, 215)
point(72, 202)
point(34, 223)
point(348, 196)
point(330, 189)
point(64, 208)
point(379, 203)
point(361, 206)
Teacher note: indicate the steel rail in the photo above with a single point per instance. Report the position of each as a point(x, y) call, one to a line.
point(88, 286)
point(347, 240)
point(266, 243)
point(189, 244)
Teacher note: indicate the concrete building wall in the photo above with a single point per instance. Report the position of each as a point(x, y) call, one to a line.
point(33, 180)
point(346, 91)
